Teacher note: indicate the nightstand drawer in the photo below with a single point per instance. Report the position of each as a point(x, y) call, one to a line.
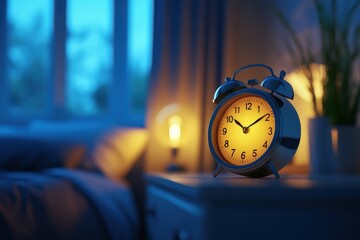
point(229, 207)
point(170, 217)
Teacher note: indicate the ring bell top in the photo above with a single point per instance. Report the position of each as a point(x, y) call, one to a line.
point(254, 131)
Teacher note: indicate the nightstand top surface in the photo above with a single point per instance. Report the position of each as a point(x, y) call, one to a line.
point(235, 186)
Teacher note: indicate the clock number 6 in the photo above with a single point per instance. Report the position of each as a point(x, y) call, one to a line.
point(243, 155)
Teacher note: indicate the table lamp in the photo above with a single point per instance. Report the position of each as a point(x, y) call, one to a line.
point(174, 142)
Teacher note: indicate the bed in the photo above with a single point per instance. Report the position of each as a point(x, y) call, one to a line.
point(72, 183)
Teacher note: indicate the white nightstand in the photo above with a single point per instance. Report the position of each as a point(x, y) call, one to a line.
point(189, 206)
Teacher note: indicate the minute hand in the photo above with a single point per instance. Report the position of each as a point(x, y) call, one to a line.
point(259, 119)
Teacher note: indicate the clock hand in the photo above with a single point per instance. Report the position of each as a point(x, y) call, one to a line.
point(258, 120)
point(245, 129)
point(238, 123)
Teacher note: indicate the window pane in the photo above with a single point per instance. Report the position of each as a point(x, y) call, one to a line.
point(28, 54)
point(139, 57)
point(89, 55)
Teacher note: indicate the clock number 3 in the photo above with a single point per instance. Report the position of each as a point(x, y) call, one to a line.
point(270, 132)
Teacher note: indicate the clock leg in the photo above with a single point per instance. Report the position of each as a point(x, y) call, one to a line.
point(218, 170)
point(272, 168)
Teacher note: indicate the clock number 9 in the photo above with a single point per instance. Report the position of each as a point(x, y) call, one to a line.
point(224, 131)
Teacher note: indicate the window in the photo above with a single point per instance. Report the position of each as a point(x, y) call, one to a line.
point(89, 55)
point(139, 50)
point(29, 27)
point(91, 74)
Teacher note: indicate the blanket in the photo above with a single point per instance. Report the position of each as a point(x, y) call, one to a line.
point(65, 204)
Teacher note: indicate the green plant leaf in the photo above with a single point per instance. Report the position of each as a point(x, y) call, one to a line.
point(339, 51)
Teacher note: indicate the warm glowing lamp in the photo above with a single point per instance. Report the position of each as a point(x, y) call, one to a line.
point(174, 141)
point(171, 132)
point(174, 131)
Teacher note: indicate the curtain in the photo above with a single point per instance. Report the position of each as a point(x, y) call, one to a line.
point(187, 68)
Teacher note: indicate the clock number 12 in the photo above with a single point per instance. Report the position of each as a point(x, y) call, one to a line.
point(248, 106)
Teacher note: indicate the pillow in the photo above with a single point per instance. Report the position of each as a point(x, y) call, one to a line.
point(110, 150)
point(118, 150)
point(22, 153)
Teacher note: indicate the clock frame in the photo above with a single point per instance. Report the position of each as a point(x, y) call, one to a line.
point(286, 135)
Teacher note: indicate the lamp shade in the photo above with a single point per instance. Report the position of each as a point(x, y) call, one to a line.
point(174, 130)
point(169, 126)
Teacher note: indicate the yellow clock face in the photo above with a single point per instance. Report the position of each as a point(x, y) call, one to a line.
point(246, 130)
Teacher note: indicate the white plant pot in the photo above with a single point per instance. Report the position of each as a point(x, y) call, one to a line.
point(346, 147)
point(320, 146)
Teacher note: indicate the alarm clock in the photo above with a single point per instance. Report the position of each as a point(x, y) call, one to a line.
point(254, 130)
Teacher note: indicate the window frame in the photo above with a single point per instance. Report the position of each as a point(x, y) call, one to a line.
point(119, 106)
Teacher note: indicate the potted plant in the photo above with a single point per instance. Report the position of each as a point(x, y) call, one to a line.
point(339, 52)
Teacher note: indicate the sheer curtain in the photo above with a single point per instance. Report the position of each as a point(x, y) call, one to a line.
point(187, 68)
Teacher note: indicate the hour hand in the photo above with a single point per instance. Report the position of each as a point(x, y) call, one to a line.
point(245, 129)
point(238, 123)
